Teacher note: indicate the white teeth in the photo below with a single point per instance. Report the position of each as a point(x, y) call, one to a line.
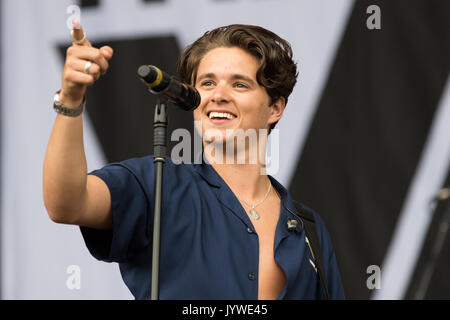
point(221, 115)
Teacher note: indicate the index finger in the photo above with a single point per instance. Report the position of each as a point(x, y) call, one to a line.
point(78, 35)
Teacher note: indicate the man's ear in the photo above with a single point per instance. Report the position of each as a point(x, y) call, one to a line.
point(277, 109)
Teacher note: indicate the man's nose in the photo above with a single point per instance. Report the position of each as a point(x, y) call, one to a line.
point(220, 94)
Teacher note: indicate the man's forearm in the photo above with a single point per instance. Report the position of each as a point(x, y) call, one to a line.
point(65, 170)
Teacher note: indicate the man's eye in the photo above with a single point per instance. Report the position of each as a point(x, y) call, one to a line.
point(240, 85)
point(207, 83)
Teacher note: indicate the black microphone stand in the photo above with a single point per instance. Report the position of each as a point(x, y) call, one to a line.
point(159, 149)
point(187, 98)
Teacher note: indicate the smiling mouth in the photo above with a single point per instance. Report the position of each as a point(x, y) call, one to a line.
point(220, 117)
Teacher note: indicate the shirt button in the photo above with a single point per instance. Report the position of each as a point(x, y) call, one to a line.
point(249, 230)
point(251, 276)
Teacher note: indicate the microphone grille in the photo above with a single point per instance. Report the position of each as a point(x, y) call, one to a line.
point(147, 73)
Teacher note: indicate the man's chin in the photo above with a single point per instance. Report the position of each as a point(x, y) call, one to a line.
point(215, 135)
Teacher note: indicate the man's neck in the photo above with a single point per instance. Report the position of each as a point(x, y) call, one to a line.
point(247, 180)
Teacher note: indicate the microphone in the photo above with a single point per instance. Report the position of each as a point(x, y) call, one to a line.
point(160, 83)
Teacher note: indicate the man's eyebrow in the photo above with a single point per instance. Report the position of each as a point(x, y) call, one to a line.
point(233, 77)
point(243, 77)
point(205, 75)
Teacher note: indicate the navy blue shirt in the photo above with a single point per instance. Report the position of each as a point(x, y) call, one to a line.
point(209, 248)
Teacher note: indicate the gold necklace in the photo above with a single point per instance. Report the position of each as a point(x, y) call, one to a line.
point(253, 213)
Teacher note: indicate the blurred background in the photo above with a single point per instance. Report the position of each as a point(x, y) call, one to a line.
point(365, 139)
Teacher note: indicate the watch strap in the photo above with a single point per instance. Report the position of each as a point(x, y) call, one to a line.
point(64, 110)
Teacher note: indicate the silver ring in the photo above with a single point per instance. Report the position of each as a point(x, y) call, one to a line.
point(75, 40)
point(87, 66)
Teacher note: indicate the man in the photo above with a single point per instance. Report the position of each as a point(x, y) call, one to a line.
point(223, 229)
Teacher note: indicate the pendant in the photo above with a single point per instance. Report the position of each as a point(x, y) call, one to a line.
point(253, 213)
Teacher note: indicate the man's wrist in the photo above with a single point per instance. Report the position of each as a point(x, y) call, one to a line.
point(69, 101)
point(66, 107)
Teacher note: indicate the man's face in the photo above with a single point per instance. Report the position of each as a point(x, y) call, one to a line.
point(231, 96)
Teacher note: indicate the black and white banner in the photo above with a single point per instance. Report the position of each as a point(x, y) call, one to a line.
point(365, 139)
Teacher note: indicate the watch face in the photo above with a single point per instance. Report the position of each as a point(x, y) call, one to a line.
point(56, 98)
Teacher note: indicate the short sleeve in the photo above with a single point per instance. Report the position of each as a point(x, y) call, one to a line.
point(131, 215)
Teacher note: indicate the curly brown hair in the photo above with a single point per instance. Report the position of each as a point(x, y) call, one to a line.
point(277, 72)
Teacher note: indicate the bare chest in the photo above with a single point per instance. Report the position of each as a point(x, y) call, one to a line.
point(271, 278)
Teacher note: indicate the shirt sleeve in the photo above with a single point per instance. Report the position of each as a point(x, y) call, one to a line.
point(131, 212)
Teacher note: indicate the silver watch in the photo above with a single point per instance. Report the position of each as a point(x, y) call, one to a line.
point(62, 109)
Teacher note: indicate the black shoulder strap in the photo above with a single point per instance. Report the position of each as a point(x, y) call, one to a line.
point(307, 217)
